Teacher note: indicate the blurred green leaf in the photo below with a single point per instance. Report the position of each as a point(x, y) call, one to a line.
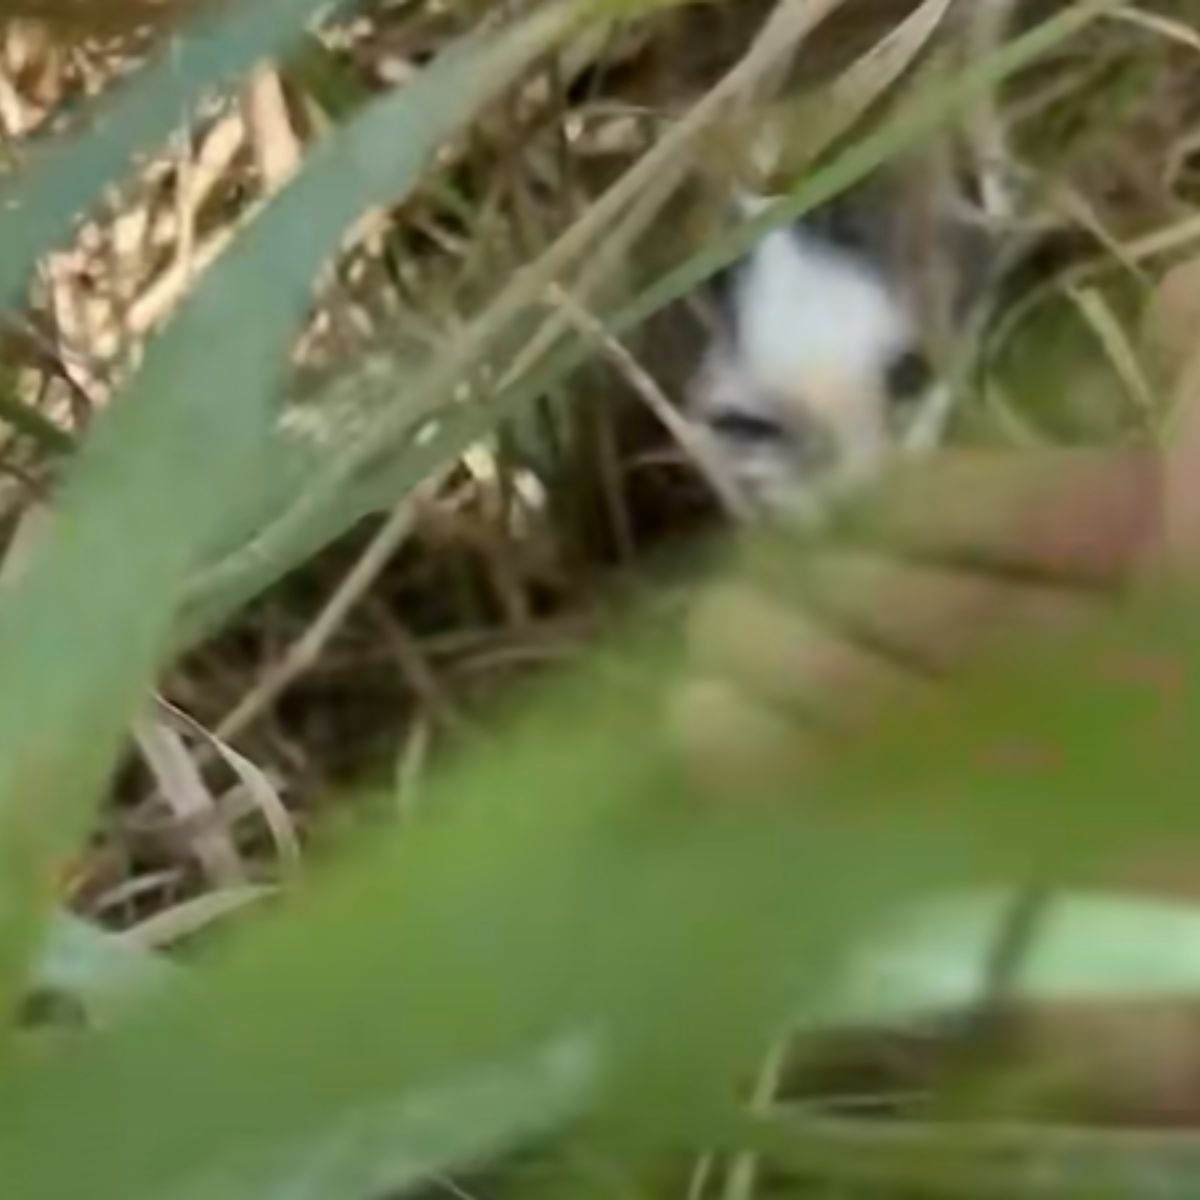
point(98, 968)
point(563, 891)
point(1086, 947)
point(573, 894)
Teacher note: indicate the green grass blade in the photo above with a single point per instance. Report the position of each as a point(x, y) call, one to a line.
point(172, 462)
point(97, 968)
point(66, 173)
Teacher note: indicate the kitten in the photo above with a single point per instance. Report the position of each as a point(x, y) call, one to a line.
point(819, 361)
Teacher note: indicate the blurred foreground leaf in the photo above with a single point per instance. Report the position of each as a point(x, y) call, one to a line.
point(567, 889)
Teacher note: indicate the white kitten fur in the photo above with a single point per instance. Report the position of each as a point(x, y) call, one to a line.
point(807, 309)
point(816, 329)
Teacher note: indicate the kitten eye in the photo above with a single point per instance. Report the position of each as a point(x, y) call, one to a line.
point(745, 427)
point(841, 223)
point(908, 375)
point(722, 287)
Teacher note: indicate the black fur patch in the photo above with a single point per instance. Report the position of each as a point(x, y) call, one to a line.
point(909, 375)
point(745, 428)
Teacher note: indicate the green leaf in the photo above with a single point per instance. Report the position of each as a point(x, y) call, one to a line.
point(100, 969)
point(566, 891)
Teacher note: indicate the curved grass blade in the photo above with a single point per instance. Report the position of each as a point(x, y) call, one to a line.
point(67, 172)
point(172, 462)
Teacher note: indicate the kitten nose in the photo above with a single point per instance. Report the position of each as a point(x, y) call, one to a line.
point(836, 424)
point(813, 445)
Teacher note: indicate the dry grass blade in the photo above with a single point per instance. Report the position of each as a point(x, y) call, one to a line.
point(1120, 350)
point(867, 79)
point(688, 436)
point(1077, 207)
point(1176, 236)
point(173, 924)
point(199, 176)
point(599, 266)
point(277, 149)
point(986, 27)
point(1166, 27)
point(307, 649)
point(258, 787)
point(183, 789)
point(65, 174)
point(788, 24)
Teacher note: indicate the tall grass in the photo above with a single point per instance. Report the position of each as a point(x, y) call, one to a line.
point(582, 933)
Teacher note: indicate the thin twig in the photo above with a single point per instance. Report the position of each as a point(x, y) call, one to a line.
point(305, 651)
point(182, 787)
point(986, 25)
point(419, 675)
point(690, 439)
point(743, 1170)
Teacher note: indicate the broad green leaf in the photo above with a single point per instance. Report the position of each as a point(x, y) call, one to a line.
point(567, 888)
point(571, 884)
point(105, 973)
point(402, 1144)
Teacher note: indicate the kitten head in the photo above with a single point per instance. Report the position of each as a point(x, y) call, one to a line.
point(819, 358)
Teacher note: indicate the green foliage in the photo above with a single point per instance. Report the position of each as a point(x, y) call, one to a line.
point(140, 507)
point(574, 931)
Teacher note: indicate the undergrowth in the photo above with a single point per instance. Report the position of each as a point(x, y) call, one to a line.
point(406, 779)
